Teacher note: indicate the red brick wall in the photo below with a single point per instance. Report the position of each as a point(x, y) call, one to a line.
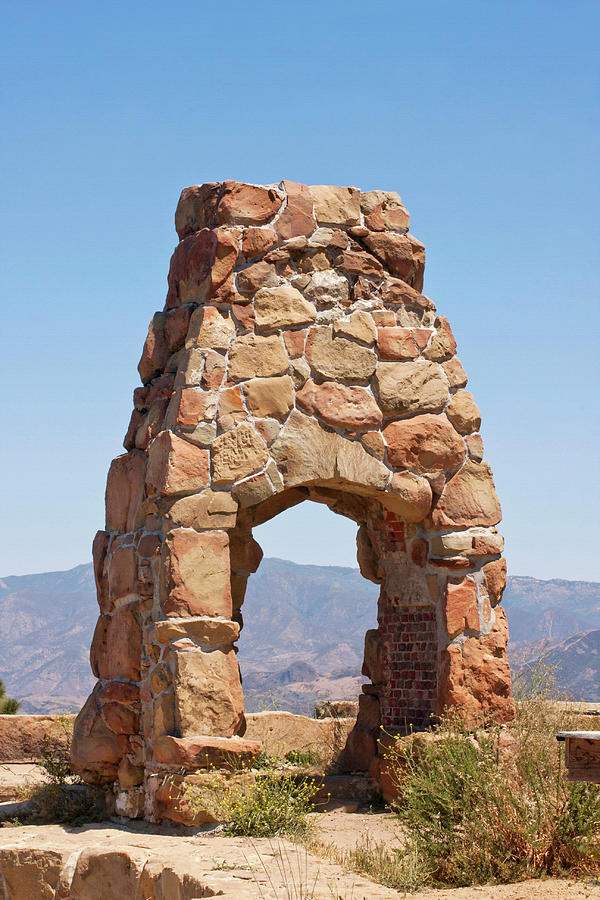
point(409, 653)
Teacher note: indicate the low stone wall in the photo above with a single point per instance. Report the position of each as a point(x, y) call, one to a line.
point(280, 732)
point(22, 738)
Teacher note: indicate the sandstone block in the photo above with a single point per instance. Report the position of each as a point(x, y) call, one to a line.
point(208, 692)
point(176, 327)
point(210, 509)
point(336, 205)
point(117, 645)
point(359, 263)
point(254, 356)
point(95, 750)
point(204, 629)
point(396, 343)
point(373, 441)
point(384, 211)
point(294, 341)
point(495, 579)
point(247, 204)
point(410, 496)
point(463, 412)
point(427, 443)
point(190, 406)
point(327, 286)
point(455, 373)
point(359, 325)
point(257, 241)
point(155, 352)
point(195, 574)
point(125, 491)
point(474, 444)
point(190, 269)
point(237, 453)
point(214, 370)
point(395, 291)
point(270, 397)
point(459, 603)
point(123, 572)
point(282, 307)
point(121, 719)
point(209, 327)
point(442, 344)
point(353, 465)
point(205, 751)
point(396, 252)
point(175, 466)
point(352, 408)
point(259, 275)
point(196, 208)
point(99, 550)
point(372, 663)
point(304, 451)
point(297, 217)
point(468, 499)
point(366, 556)
point(405, 387)
point(253, 490)
point(337, 358)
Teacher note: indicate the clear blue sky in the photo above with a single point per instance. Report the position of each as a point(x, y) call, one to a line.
point(483, 115)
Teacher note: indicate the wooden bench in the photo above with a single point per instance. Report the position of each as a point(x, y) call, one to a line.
point(582, 755)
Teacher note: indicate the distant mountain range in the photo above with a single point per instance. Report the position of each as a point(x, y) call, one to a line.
point(302, 640)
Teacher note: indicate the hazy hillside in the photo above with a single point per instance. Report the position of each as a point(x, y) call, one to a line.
point(302, 640)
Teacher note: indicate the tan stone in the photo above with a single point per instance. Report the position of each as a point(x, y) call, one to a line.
point(125, 491)
point(316, 261)
point(353, 465)
point(253, 490)
point(336, 205)
point(463, 412)
point(352, 408)
point(175, 466)
point(200, 628)
point(495, 579)
point(396, 343)
point(442, 343)
point(244, 316)
point(209, 327)
point(208, 692)
point(259, 275)
point(237, 453)
point(205, 751)
point(359, 325)
point(405, 387)
point(338, 358)
point(427, 443)
point(327, 286)
point(231, 408)
point(247, 204)
point(373, 441)
point(304, 451)
point(195, 574)
point(384, 211)
point(468, 499)
point(475, 677)
point(214, 370)
point(297, 217)
point(299, 371)
point(254, 356)
point(282, 307)
point(410, 496)
point(459, 604)
point(455, 373)
point(384, 318)
point(270, 397)
point(210, 509)
point(268, 429)
point(395, 291)
point(279, 732)
point(366, 556)
point(257, 241)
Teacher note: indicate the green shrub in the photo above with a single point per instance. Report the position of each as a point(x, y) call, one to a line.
point(8, 706)
point(55, 757)
point(493, 805)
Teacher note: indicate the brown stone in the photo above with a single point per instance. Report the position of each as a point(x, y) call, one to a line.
point(474, 444)
point(176, 327)
point(199, 628)
point(125, 491)
point(190, 270)
point(117, 645)
point(231, 408)
point(317, 261)
point(468, 499)
point(404, 387)
point(120, 718)
point(282, 307)
point(359, 263)
point(123, 572)
point(205, 751)
point(270, 397)
point(196, 208)
point(294, 341)
point(359, 752)
point(366, 556)
point(396, 252)
point(419, 551)
point(338, 358)
point(99, 550)
point(459, 604)
point(190, 405)
point(254, 356)
point(396, 343)
point(455, 373)
point(372, 664)
point(373, 441)
point(495, 579)
point(259, 275)
point(214, 370)
point(155, 352)
point(120, 692)
point(175, 466)
point(442, 343)
point(475, 677)
point(297, 216)
point(427, 443)
point(95, 750)
point(129, 775)
point(336, 205)
point(210, 509)
point(352, 408)
point(463, 412)
point(247, 204)
point(383, 318)
point(244, 315)
point(396, 291)
point(195, 574)
point(257, 241)
point(359, 325)
point(211, 328)
point(208, 692)
point(237, 453)
point(384, 210)
point(410, 496)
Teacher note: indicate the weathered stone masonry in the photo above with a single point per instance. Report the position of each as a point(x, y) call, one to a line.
point(295, 359)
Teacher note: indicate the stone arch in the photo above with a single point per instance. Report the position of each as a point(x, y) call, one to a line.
point(296, 358)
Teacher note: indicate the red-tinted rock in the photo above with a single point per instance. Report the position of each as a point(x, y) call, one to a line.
point(120, 718)
point(204, 752)
point(176, 327)
point(197, 208)
point(353, 408)
point(195, 574)
point(459, 604)
point(247, 204)
point(117, 646)
point(495, 579)
point(95, 750)
point(396, 343)
point(442, 344)
point(155, 352)
point(125, 491)
point(99, 549)
point(120, 692)
point(176, 466)
point(396, 252)
point(359, 264)
point(468, 499)
point(294, 342)
point(426, 443)
point(257, 241)
point(297, 217)
point(123, 577)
